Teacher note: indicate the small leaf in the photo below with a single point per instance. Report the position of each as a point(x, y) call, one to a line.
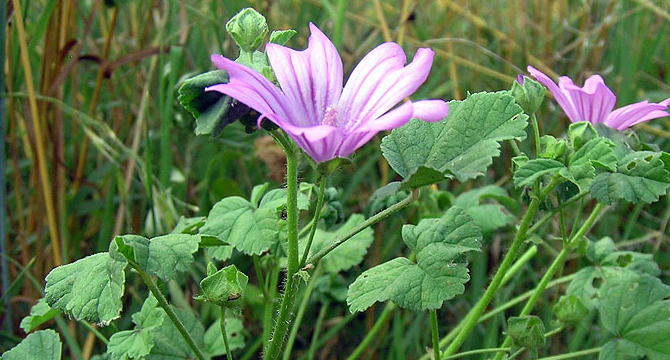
point(535, 169)
point(347, 255)
point(281, 37)
point(168, 342)
point(641, 176)
point(487, 217)
point(570, 309)
point(527, 331)
point(87, 289)
point(137, 343)
point(39, 314)
point(248, 28)
point(235, 221)
point(579, 133)
point(40, 345)
point(463, 144)
point(224, 287)
point(162, 256)
point(438, 275)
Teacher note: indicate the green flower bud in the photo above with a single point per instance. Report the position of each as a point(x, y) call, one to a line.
point(528, 93)
point(248, 28)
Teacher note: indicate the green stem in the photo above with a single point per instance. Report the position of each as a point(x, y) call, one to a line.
point(536, 131)
point(317, 329)
point(269, 305)
point(523, 260)
point(301, 312)
point(553, 268)
point(162, 302)
point(436, 336)
point(369, 222)
point(475, 352)
point(223, 333)
point(573, 354)
point(284, 319)
point(381, 321)
point(315, 220)
point(475, 313)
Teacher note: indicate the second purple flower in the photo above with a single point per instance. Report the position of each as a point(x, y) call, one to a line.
point(323, 118)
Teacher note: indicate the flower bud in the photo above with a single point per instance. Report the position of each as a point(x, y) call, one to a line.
point(248, 28)
point(528, 93)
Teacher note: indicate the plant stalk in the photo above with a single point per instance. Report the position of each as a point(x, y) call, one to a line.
point(315, 220)
point(162, 302)
point(435, 334)
point(475, 313)
point(223, 333)
point(383, 318)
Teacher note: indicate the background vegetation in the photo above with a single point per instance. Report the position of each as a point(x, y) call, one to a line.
point(97, 145)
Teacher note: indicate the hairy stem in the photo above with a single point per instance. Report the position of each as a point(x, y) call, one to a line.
point(435, 334)
point(475, 313)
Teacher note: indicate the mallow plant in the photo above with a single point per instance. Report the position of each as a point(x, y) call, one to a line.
point(293, 242)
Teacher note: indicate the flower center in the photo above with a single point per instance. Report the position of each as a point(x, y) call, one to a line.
point(330, 117)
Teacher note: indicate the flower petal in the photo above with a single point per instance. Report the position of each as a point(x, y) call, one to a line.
point(593, 102)
point(390, 84)
point(430, 110)
point(251, 88)
point(311, 78)
point(320, 142)
point(562, 97)
point(629, 115)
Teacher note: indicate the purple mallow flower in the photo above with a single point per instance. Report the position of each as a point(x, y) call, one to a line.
point(594, 102)
point(326, 120)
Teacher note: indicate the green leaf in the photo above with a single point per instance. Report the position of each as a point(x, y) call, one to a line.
point(422, 176)
point(347, 255)
point(438, 274)
point(597, 152)
point(535, 169)
point(168, 342)
point(224, 287)
point(636, 312)
point(527, 331)
point(235, 221)
point(570, 308)
point(487, 217)
point(552, 148)
point(162, 256)
point(641, 176)
point(214, 341)
point(579, 133)
point(40, 345)
point(212, 110)
point(88, 289)
point(281, 37)
point(463, 144)
point(39, 314)
point(137, 343)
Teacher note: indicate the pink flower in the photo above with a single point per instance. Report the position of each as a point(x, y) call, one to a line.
point(594, 102)
point(324, 119)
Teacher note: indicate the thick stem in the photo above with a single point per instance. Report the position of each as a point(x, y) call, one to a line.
point(301, 312)
point(553, 268)
point(315, 220)
point(435, 334)
point(223, 333)
point(369, 222)
point(284, 319)
point(162, 302)
point(475, 313)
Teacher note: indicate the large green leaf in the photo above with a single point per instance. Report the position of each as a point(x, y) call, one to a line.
point(238, 222)
point(641, 176)
point(88, 289)
point(438, 274)
point(635, 311)
point(162, 256)
point(40, 345)
point(463, 144)
point(350, 253)
point(137, 343)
